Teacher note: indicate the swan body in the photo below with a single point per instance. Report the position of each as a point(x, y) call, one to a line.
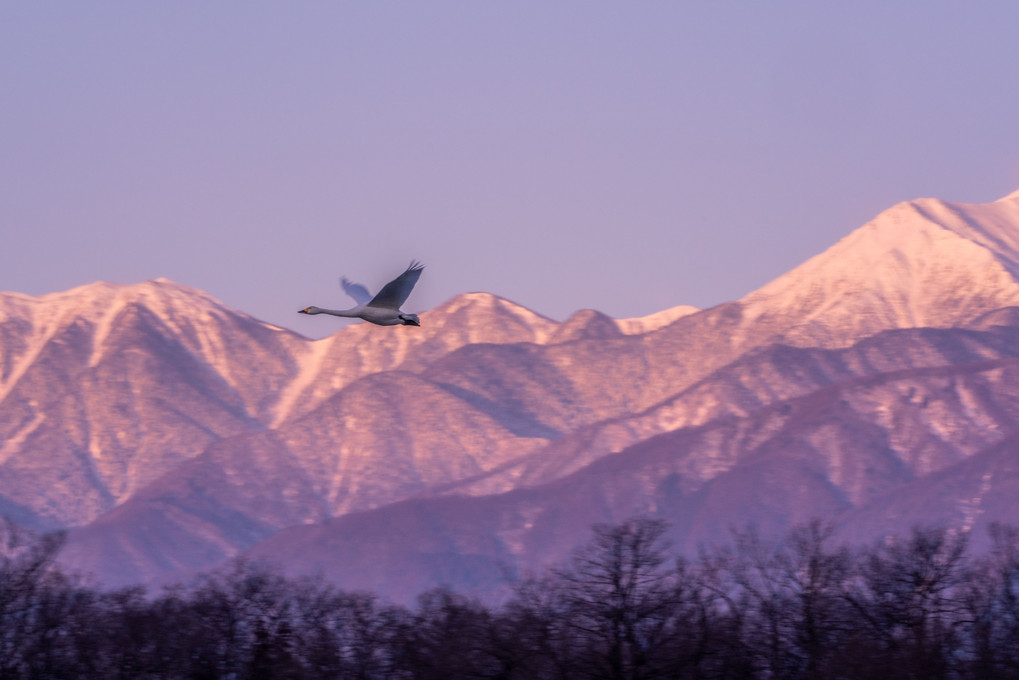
point(384, 308)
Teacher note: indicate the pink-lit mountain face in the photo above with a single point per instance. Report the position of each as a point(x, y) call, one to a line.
point(874, 385)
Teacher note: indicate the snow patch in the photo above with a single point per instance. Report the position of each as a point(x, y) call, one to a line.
point(13, 444)
point(921, 263)
point(308, 368)
point(652, 322)
point(970, 507)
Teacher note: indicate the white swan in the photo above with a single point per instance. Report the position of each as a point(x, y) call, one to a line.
point(384, 308)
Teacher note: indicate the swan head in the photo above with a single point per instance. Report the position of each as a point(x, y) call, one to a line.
point(310, 310)
point(410, 320)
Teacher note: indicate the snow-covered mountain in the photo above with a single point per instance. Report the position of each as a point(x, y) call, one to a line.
point(923, 263)
point(104, 388)
point(172, 433)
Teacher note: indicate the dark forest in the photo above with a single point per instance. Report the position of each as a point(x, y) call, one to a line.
point(921, 606)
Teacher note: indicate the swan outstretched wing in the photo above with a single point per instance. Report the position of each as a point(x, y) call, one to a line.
point(355, 290)
point(396, 292)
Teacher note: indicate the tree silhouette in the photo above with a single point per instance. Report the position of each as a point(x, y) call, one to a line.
point(793, 607)
point(904, 594)
point(620, 600)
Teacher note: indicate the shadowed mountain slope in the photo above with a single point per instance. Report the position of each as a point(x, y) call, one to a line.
point(876, 453)
point(175, 433)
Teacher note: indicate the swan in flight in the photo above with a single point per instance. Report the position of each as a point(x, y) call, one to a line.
point(384, 308)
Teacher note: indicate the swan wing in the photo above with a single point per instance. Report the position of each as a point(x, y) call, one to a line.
point(396, 292)
point(355, 290)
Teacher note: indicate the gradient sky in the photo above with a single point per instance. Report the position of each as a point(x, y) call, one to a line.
point(626, 157)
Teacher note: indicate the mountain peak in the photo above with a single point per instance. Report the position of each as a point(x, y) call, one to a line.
point(924, 262)
point(587, 324)
point(101, 302)
point(206, 430)
point(96, 298)
point(475, 310)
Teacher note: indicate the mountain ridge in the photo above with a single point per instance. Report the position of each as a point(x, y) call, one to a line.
point(176, 433)
point(917, 264)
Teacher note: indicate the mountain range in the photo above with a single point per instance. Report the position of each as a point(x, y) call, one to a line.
point(874, 385)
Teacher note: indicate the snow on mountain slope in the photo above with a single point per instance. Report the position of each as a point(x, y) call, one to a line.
point(106, 387)
point(205, 510)
point(821, 430)
point(383, 439)
point(78, 439)
point(652, 322)
point(755, 380)
point(392, 435)
point(924, 263)
point(968, 497)
point(990, 225)
point(590, 372)
point(187, 427)
point(309, 368)
point(251, 356)
point(832, 452)
point(357, 350)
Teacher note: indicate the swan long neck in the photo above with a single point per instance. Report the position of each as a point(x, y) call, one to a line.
point(349, 313)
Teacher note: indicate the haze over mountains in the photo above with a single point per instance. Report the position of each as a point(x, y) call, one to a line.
point(875, 384)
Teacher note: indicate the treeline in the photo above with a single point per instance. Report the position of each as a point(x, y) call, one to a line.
point(919, 607)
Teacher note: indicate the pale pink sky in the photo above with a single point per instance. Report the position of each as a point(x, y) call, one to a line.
point(622, 156)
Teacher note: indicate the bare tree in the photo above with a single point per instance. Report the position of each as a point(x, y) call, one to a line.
point(547, 644)
point(344, 634)
point(903, 593)
point(620, 600)
point(990, 601)
point(446, 638)
point(26, 573)
point(797, 607)
point(779, 603)
point(812, 579)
